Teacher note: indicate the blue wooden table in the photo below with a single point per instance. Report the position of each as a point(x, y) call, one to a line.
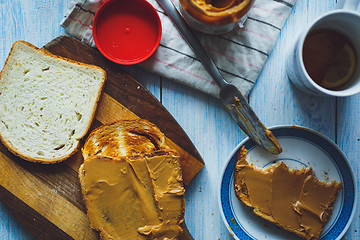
point(202, 117)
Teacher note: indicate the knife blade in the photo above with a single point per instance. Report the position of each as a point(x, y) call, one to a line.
point(232, 99)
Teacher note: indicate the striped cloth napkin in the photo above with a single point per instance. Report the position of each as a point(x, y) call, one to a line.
point(239, 55)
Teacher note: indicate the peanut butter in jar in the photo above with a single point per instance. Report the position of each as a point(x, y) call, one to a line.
point(215, 16)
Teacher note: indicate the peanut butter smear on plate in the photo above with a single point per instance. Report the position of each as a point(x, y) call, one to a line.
point(293, 199)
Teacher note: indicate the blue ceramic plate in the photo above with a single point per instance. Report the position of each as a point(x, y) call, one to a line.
point(301, 147)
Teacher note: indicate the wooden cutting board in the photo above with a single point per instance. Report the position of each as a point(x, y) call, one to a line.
point(47, 198)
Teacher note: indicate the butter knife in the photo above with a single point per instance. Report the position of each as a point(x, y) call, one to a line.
point(232, 99)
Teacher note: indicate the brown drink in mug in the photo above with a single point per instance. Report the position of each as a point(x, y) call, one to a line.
point(324, 60)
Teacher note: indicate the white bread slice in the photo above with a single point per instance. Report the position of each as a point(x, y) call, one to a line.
point(47, 103)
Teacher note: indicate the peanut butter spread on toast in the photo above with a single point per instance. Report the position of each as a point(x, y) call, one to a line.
point(139, 198)
point(293, 199)
point(132, 182)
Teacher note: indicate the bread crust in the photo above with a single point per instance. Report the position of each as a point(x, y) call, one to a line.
point(47, 54)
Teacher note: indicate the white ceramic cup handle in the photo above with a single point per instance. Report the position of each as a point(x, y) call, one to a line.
point(347, 4)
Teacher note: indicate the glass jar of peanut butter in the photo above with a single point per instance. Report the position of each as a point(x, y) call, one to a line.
point(215, 16)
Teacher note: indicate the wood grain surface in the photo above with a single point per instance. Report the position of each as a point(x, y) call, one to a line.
point(47, 199)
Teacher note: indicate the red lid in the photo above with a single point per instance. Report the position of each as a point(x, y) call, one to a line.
point(127, 32)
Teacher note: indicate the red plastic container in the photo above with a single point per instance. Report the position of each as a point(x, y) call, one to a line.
point(127, 31)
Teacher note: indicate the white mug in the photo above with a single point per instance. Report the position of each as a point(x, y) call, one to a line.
point(345, 20)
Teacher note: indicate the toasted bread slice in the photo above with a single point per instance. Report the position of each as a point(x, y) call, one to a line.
point(124, 138)
point(132, 182)
point(47, 103)
point(293, 199)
